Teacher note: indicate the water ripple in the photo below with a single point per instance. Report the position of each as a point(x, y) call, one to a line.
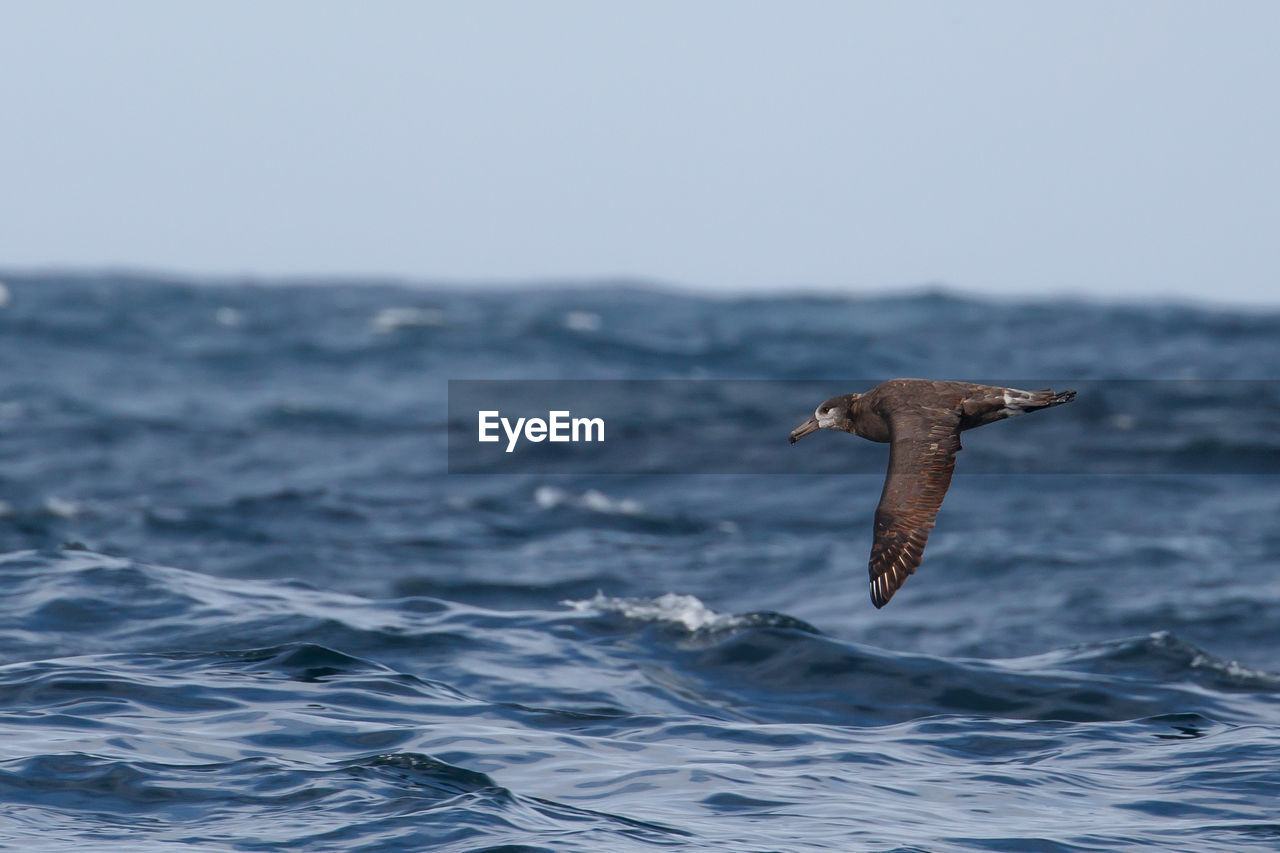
point(312, 636)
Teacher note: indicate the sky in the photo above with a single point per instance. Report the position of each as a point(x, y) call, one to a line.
point(1112, 149)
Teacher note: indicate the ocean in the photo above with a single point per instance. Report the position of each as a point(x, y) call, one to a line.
point(259, 593)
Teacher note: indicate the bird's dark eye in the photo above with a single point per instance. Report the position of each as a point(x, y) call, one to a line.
point(827, 410)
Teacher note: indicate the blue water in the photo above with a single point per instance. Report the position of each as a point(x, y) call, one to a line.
point(245, 607)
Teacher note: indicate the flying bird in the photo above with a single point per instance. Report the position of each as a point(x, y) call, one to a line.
point(922, 421)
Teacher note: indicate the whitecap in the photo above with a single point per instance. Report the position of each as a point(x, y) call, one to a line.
point(1232, 669)
point(583, 321)
point(62, 508)
point(686, 610)
point(592, 500)
point(388, 320)
point(597, 501)
point(228, 316)
point(1122, 421)
point(549, 497)
point(1199, 659)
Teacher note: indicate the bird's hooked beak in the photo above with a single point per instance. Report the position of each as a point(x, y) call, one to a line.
point(804, 429)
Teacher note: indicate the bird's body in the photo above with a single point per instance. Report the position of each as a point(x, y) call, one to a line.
point(922, 420)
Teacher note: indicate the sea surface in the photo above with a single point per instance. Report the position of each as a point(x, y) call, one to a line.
point(244, 604)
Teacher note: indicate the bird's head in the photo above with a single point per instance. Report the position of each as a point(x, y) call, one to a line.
point(836, 413)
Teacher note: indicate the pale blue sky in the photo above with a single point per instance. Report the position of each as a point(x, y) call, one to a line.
point(1112, 148)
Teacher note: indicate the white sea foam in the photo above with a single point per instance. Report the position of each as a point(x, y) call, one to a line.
point(550, 497)
point(1122, 421)
point(62, 508)
point(672, 607)
point(583, 321)
point(1200, 660)
point(388, 320)
point(1232, 669)
point(228, 316)
point(4, 296)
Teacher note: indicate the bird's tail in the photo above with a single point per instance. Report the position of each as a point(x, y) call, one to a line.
point(1048, 397)
point(995, 404)
point(1030, 401)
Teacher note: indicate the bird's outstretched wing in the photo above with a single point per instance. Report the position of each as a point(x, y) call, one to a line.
point(921, 458)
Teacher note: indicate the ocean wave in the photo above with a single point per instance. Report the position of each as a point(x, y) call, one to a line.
point(467, 716)
point(766, 665)
point(1082, 664)
point(1156, 657)
point(686, 611)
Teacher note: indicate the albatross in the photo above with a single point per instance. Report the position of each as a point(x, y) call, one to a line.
point(921, 420)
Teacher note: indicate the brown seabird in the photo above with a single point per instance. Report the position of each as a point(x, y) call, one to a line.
point(922, 421)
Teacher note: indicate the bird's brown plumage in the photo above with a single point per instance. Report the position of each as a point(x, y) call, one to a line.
point(922, 421)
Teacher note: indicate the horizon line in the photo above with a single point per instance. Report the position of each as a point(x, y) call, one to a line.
point(632, 281)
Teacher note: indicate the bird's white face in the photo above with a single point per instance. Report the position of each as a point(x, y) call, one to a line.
point(833, 414)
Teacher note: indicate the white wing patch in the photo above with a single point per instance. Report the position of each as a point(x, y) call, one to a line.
point(1011, 409)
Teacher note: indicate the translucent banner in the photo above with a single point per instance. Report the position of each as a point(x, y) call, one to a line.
point(680, 426)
